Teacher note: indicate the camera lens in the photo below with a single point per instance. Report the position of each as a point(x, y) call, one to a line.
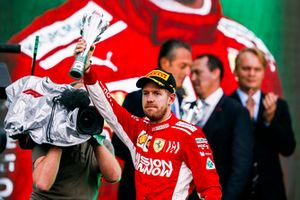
point(89, 121)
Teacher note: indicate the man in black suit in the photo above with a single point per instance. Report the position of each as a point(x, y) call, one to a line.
point(273, 133)
point(226, 124)
point(175, 56)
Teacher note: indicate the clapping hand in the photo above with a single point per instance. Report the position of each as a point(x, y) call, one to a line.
point(270, 105)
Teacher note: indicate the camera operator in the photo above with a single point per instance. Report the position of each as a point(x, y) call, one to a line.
point(73, 172)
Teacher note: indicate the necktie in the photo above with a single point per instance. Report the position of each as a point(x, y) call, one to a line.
point(250, 105)
point(202, 114)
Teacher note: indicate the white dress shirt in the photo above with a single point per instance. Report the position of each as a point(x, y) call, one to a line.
point(209, 105)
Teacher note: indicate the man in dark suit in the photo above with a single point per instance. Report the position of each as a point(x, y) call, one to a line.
point(273, 134)
point(175, 56)
point(225, 123)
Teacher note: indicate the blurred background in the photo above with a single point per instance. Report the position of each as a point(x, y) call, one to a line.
point(276, 22)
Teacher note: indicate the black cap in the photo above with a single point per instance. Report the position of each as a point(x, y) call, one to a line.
point(162, 78)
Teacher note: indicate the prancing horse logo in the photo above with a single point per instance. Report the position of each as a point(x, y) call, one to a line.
point(158, 144)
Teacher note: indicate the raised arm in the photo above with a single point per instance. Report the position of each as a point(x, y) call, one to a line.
point(108, 164)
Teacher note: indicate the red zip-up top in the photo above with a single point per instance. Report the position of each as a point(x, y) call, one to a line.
point(170, 158)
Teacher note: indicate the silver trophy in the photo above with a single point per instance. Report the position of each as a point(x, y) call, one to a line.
point(92, 26)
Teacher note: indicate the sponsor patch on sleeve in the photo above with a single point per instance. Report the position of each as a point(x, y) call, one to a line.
point(201, 140)
point(186, 125)
point(210, 164)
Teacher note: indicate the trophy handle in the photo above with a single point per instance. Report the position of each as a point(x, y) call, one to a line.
point(77, 69)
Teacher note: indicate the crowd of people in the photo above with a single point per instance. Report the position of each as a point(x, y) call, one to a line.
point(228, 149)
point(218, 146)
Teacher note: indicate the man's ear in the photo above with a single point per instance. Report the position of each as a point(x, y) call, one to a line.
point(217, 73)
point(235, 74)
point(172, 98)
point(164, 62)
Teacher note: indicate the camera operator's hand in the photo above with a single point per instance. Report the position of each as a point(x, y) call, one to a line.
point(97, 140)
point(80, 47)
point(108, 164)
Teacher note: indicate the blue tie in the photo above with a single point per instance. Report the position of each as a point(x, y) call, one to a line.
point(203, 113)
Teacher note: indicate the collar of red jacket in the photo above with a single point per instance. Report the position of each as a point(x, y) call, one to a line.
point(163, 125)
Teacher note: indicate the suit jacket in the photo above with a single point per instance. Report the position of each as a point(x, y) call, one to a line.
point(133, 104)
point(229, 132)
point(270, 141)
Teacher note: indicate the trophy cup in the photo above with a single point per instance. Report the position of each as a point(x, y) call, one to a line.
point(92, 26)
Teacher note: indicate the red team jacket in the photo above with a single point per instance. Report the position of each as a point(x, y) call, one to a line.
point(168, 157)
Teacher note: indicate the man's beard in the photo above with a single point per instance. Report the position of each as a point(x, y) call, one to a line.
point(156, 116)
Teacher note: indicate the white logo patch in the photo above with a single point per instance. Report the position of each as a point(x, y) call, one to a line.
point(173, 147)
point(153, 167)
point(202, 153)
point(186, 125)
point(201, 140)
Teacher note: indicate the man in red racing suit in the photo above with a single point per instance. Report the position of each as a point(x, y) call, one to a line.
point(169, 155)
